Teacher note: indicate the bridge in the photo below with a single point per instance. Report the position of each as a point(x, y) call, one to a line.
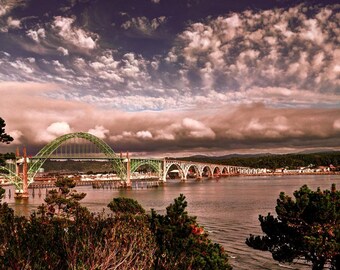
point(79, 146)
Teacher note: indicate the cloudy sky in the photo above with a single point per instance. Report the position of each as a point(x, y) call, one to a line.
point(172, 77)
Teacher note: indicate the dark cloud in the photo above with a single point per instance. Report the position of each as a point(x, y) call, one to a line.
point(39, 119)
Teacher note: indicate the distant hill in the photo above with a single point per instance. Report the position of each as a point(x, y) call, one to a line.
point(272, 161)
point(314, 151)
point(72, 166)
point(196, 157)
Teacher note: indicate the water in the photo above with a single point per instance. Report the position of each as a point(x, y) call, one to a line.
point(228, 208)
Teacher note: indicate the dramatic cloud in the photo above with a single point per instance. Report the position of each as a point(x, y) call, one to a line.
point(16, 135)
point(63, 50)
point(249, 128)
point(144, 25)
point(231, 59)
point(53, 131)
point(7, 5)
point(73, 35)
point(296, 48)
point(13, 23)
point(196, 129)
point(144, 134)
point(163, 80)
point(99, 131)
point(36, 35)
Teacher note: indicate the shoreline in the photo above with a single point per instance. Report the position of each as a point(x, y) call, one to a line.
point(282, 174)
point(43, 183)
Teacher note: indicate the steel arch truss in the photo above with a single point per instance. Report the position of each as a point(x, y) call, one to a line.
point(152, 163)
point(47, 151)
point(12, 177)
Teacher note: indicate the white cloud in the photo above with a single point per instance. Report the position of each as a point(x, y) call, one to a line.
point(255, 125)
point(58, 128)
point(264, 49)
point(99, 131)
point(13, 23)
point(63, 51)
point(19, 64)
point(53, 131)
point(128, 135)
point(144, 25)
point(144, 134)
point(2, 11)
point(7, 6)
point(336, 124)
point(251, 127)
point(165, 135)
point(74, 35)
point(36, 35)
point(238, 58)
point(197, 129)
point(16, 135)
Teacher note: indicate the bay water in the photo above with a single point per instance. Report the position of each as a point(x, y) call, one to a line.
point(227, 207)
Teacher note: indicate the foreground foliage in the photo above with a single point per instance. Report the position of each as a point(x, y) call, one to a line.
point(64, 235)
point(307, 227)
point(182, 243)
point(4, 137)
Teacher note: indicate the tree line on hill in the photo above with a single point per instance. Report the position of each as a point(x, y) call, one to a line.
point(290, 161)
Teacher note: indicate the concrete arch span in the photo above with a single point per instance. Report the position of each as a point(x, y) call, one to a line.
point(217, 170)
point(225, 170)
point(195, 173)
point(178, 166)
point(208, 169)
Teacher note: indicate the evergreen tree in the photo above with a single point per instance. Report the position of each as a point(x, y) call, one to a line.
point(4, 137)
point(64, 201)
point(182, 243)
point(307, 227)
point(126, 206)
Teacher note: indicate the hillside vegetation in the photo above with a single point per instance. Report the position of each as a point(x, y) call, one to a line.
point(274, 161)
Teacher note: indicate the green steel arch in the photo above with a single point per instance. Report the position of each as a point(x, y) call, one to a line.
point(12, 177)
point(47, 150)
point(154, 164)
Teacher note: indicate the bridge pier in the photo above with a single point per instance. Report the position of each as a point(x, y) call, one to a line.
point(164, 171)
point(23, 193)
point(128, 170)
